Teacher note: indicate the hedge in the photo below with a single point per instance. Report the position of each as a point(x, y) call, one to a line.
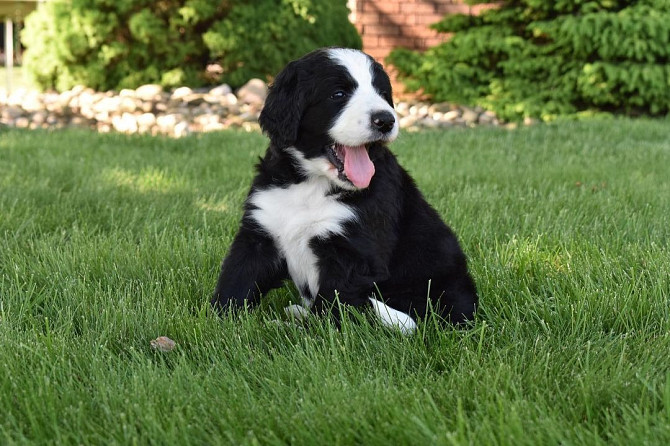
point(114, 44)
point(539, 59)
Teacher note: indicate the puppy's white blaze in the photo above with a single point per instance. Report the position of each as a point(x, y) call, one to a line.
point(353, 126)
point(393, 318)
point(295, 215)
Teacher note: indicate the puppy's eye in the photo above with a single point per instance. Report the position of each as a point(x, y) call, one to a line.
point(339, 94)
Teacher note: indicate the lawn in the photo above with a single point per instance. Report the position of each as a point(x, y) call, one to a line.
point(108, 241)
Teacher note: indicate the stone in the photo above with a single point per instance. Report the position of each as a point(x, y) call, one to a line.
point(40, 117)
point(429, 123)
point(181, 93)
point(488, 118)
point(440, 107)
point(407, 121)
point(148, 106)
point(149, 92)
point(194, 99)
point(108, 105)
point(22, 122)
point(248, 117)
point(206, 119)
point(128, 105)
point(12, 112)
point(85, 98)
point(146, 120)
point(470, 116)
point(181, 129)
point(213, 127)
point(32, 102)
point(65, 98)
point(231, 99)
point(77, 89)
point(126, 123)
point(101, 117)
point(402, 108)
point(166, 123)
point(253, 92)
point(185, 110)
point(79, 121)
point(451, 115)
point(221, 90)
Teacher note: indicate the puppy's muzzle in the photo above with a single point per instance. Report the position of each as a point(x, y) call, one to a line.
point(382, 121)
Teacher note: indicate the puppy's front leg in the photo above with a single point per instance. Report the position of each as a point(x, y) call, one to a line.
point(252, 267)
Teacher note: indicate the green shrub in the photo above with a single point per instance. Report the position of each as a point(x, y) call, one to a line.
point(533, 58)
point(113, 44)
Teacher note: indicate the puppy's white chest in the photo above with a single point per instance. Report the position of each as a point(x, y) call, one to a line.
point(295, 215)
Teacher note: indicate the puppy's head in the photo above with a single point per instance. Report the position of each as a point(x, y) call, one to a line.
point(326, 109)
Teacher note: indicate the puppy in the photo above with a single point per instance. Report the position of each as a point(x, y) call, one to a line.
point(331, 209)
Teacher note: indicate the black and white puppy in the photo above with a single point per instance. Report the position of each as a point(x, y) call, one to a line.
point(331, 208)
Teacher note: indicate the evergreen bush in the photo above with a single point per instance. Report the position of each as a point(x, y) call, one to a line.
point(114, 44)
point(540, 59)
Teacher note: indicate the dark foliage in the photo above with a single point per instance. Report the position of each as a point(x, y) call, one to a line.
point(113, 44)
point(533, 58)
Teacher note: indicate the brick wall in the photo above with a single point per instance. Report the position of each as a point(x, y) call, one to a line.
point(387, 24)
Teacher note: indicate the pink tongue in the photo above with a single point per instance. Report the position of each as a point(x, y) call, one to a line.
point(357, 166)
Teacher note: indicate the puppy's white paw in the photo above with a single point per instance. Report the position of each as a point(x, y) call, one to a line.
point(298, 312)
point(393, 318)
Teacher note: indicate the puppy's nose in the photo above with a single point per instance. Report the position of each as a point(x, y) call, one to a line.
point(382, 121)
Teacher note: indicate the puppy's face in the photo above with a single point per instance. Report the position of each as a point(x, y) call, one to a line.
point(326, 109)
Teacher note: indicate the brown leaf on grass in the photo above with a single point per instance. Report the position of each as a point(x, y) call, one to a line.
point(163, 344)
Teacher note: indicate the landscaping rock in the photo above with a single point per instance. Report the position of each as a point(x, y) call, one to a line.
point(181, 93)
point(149, 92)
point(150, 109)
point(253, 92)
point(221, 90)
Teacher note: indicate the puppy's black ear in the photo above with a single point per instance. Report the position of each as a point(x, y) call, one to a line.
point(382, 82)
point(284, 106)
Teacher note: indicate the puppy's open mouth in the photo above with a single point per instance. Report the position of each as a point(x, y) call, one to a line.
point(353, 163)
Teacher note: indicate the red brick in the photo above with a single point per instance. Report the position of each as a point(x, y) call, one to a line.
point(369, 18)
point(382, 30)
point(385, 7)
point(402, 19)
point(393, 41)
point(370, 41)
point(417, 8)
point(378, 54)
point(454, 8)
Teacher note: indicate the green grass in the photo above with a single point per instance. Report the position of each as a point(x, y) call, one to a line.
point(108, 241)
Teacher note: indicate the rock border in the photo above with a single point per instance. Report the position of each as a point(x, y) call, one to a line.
point(150, 109)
